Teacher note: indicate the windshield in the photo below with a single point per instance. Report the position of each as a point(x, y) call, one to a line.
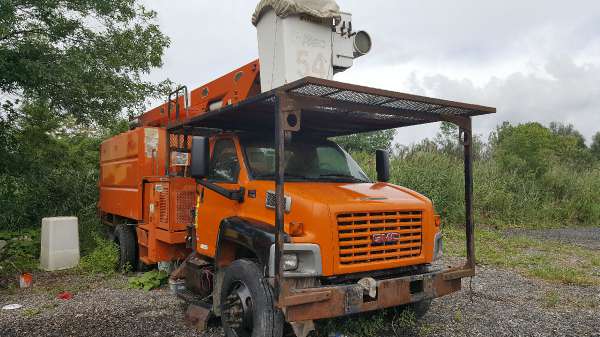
point(305, 160)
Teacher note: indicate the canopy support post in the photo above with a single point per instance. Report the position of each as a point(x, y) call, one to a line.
point(466, 136)
point(279, 192)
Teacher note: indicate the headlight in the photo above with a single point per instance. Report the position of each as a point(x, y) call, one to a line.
point(290, 262)
point(362, 43)
point(298, 259)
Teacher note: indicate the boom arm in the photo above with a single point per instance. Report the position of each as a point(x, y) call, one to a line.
point(230, 89)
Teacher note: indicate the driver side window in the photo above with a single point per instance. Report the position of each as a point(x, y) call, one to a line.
point(224, 165)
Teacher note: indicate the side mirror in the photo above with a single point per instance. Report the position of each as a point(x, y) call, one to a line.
point(383, 166)
point(200, 157)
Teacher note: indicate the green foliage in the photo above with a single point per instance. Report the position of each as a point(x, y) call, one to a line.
point(399, 321)
point(437, 176)
point(149, 280)
point(524, 149)
point(68, 72)
point(526, 179)
point(367, 142)
point(568, 131)
point(102, 260)
point(85, 58)
point(21, 253)
point(50, 168)
point(549, 260)
point(531, 149)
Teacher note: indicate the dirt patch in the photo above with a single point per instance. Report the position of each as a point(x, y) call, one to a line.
point(588, 237)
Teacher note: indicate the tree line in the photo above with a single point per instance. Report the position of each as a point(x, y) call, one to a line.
point(525, 175)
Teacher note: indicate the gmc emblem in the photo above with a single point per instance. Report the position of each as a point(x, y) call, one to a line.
point(380, 239)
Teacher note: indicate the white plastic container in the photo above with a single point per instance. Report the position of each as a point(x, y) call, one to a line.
point(60, 243)
point(292, 48)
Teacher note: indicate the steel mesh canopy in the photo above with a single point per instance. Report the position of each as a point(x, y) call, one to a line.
point(330, 108)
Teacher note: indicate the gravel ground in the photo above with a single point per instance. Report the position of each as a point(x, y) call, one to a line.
point(108, 309)
point(588, 237)
point(507, 304)
point(502, 304)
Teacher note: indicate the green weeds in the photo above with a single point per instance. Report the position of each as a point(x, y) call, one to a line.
point(544, 259)
point(102, 260)
point(149, 280)
point(390, 322)
point(551, 299)
point(20, 254)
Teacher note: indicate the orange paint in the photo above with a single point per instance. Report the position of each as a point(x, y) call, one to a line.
point(230, 89)
point(340, 217)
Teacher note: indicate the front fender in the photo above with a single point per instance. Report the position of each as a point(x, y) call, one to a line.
point(254, 235)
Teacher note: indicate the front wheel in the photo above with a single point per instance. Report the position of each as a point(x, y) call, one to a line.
point(248, 304)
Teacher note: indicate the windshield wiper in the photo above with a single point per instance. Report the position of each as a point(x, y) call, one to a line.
point(342, 177)
point(295, 176)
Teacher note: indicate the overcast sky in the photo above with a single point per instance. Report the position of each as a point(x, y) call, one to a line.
point(533, 60)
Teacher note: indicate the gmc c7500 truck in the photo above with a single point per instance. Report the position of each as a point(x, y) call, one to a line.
point(271, 222)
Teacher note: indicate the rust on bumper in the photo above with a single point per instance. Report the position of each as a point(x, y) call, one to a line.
point(340, 300)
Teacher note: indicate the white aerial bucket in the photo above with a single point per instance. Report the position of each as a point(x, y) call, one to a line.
point(300, 38)
point(292, 48)
point(60, 243)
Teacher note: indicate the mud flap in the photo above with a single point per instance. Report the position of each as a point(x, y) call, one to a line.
point(197, 317)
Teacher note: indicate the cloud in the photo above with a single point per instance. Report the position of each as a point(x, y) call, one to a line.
point(533, 60)
point(567, 92)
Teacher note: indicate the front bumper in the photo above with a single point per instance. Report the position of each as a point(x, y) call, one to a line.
point(339, 300)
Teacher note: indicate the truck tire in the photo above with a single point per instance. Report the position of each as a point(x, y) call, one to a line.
point(248, 304)
point(420, 308)
point(125, 239)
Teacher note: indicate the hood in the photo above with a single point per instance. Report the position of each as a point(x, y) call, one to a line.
point(357, 196)
point(318, 205)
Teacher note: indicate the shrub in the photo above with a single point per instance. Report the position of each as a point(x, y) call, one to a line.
point(102, 260)
point(21, 252)
point(149, 280)
point(525, 183)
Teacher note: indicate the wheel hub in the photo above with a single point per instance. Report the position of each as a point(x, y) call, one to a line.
point(239, 310)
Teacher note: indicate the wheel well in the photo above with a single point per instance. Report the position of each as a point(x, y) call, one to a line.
point(230, 251)
point(114, 220)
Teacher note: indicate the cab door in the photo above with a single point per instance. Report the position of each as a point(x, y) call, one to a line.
point(224, 170)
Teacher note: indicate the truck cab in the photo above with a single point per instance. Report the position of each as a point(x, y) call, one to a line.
point(338, 221)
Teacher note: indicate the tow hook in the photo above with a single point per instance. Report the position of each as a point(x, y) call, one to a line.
point(369, 286)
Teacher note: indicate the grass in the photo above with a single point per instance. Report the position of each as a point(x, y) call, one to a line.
point(544, 259)
point(20, 254)
point(551, 299)
point(504, 198)
point(149, 280)
point(102, 260)
point(390, 322)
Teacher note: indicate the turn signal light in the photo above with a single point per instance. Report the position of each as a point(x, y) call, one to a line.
point(437, 220)
point(296, 229)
